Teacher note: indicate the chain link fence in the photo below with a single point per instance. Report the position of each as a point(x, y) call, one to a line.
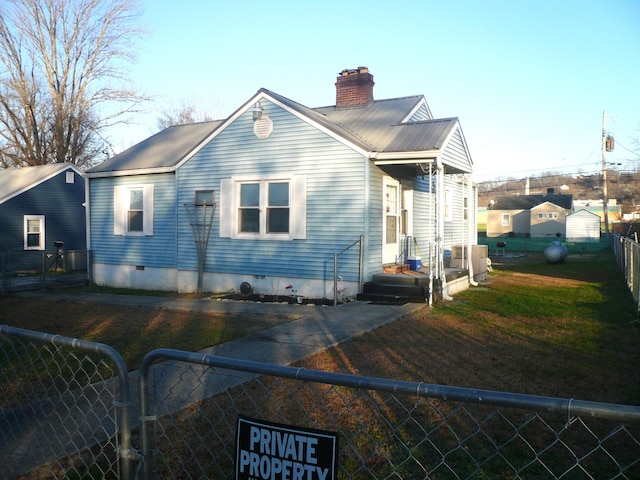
point(40, 269)
point(627, 253)
point(63, 408)
point(387, 429)
point(66, 406)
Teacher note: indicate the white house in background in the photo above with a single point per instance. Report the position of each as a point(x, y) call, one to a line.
point(283, 187)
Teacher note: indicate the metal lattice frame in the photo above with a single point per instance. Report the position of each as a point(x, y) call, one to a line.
point(200, 219)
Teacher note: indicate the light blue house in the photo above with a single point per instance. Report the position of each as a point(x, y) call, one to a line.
point(270, 195)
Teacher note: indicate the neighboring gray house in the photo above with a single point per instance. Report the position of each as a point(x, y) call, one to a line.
point(529, 215)
point(292, 186)
point(41, 205)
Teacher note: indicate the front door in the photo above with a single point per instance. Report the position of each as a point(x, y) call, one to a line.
point(391, 220)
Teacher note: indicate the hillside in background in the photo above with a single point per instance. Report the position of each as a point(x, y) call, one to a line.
point(622, 186)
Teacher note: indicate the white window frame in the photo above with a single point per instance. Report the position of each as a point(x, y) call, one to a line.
point(465, 208)
point(448, 206)
point(41, 227)
point(230, 205)
point(506, 219)
point(121, 197)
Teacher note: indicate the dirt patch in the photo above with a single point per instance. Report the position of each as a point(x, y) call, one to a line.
point(285, 299)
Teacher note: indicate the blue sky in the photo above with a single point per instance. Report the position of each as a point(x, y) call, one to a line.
point(529, 80)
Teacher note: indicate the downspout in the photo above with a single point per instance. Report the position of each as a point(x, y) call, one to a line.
point(444, 291)
point(430, 233)
point(364, 248)
point(467, 179)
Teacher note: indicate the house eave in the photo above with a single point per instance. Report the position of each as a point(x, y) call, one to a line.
point(405, 158)
point(126, 173)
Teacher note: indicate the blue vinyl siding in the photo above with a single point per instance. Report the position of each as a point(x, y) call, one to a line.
point(62, 205)
point(373, 259)
point(335, 198)
point(424, 220)
point(455, 230)
point(421, 114)
point(455, 153)
point(158, 250)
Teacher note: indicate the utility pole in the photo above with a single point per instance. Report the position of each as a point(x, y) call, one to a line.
point(605, 199)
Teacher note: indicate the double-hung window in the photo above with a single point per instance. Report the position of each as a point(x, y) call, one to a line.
point(273, 208)
point(133, 210)
point(264, 208)
point(34, 232)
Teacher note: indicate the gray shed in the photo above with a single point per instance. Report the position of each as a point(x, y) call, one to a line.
point(583, 226)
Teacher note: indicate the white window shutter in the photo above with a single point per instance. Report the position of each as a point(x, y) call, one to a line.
point(118, 210)
point(147, 205)
point(299, 207)
point(227, 217)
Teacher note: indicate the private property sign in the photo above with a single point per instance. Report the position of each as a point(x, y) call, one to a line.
point(271, 451)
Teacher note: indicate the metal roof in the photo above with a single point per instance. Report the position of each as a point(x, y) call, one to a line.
point(375, 128)
point(380, 125)
point(15, 181)
point(165, 149)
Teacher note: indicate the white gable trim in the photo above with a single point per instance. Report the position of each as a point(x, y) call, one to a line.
point(453, 131)
point(422, 102)
point(249, 105)
point(548, 203)
point(307, 120)
point(38, 181)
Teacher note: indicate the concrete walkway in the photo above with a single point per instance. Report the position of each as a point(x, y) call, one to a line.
point(316, 329)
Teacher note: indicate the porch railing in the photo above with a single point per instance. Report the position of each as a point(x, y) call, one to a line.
point(359, 242)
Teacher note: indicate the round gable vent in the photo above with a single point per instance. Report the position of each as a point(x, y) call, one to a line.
point(263, 128)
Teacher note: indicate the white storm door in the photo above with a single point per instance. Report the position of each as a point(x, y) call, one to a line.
point(391, 220)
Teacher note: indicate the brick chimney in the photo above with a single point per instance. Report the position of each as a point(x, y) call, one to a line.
point(354, 88)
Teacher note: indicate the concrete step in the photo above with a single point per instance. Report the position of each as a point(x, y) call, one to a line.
point(393, 293)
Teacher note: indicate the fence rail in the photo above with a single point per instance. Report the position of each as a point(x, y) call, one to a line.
point(190, 405)
point(627, 253)
point(64, 403)
point(388, 428)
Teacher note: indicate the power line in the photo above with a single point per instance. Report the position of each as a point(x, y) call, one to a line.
point(625, 148)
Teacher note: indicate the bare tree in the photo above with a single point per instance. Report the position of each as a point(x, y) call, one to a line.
point(187, 111)
point(62, 78)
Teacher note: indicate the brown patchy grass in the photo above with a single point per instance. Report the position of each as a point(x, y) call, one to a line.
point(567, 330)
point(132, 331)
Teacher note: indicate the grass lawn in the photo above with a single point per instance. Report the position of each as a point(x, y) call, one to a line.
point(568, 329)
point(132, 331)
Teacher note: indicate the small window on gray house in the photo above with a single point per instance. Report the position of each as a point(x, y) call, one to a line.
point(204, 197)
point(70, 176)
point(34, 232)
